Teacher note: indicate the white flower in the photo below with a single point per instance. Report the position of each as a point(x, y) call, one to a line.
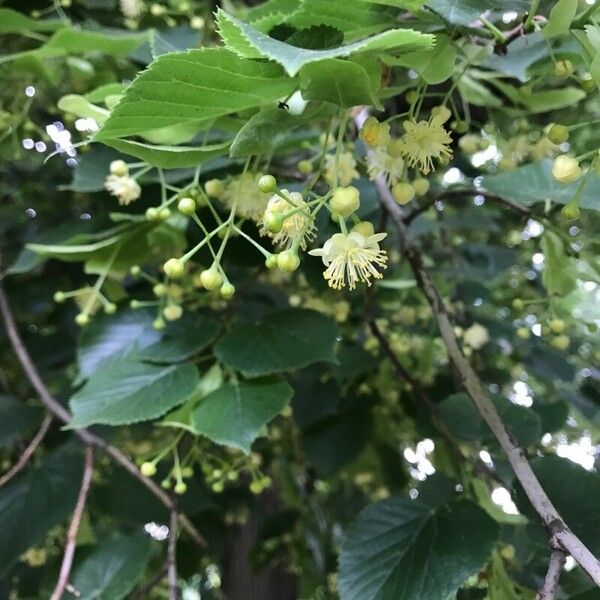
point(351, 258)
point(298, 227)
point(476, 336)
point(251, 202)
point(346, 169)
point(131, 9)
point(424, 141)
point(126, 189)
point(381, 162)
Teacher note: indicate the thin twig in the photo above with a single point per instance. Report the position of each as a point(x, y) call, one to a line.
point(540, 501)
point(28, 452)
point(71, 543)
point(56, 409)
point(172, 558)
point(555, 566)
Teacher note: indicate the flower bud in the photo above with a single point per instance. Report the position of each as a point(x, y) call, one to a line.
point(180, 488)
point(271, 261)
point(411, 96)
point(571, 211)
point(403, 192)
point(59, 297)
point(587, 83)
point(305, 167)
point(152, 214)
point(148, 469)
point(373, 133)
point(556, 325)
point(227, 290)
point(558, 134)
point(174, 268)
point(563, 68)
point(560, 342)
point(273, 221)
point(211, 278)
point(267, 184)
point(164, 213)
point(119, 168)
point(214, 188)
point(186, 206)
point(441, 113)
point(110, 308)
point(288, 261)
point(82, 319)
point(159, 324)
point(523, 333)
point(518, 304)
point(345, 201)
point(172, 312)
point(159, 290)
point(421, 186)
point(365, 228)
point(135, 271)
point(565, 169)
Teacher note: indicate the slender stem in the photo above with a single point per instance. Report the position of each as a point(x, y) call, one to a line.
point(28, 452)
point(58, 411)
point(338, 147)
point(555, 566)
point(172, 557)
point(531, 14)
point(67, 563)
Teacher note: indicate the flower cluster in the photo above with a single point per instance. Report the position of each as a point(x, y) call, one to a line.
point(119, 184)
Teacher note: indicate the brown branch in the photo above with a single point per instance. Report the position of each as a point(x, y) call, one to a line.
point(71, 543)
point(555, 566)
point(58, 411)
point(564, 537)
point(172, 558)
point(28, 452)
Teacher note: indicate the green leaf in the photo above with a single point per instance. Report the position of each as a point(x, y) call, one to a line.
point(263, 132)
point(168, 157)
point(182, 339)
point(37, 500)
point(316, 37)
point(340, 82)
point(113, 569)
point(548, 100)
point(250, 43)
point(235, 414)
point(534, 183)
point(560, 19)
point(114, 337)
point(523, 423)
point(520, 55)
point(12, 21)
point(434, 65)
point(16, 420)
point(461, 417)
point(558, 275)
point(465, 12)
point(127, 392)
point(195, 85)
point(104, 91)
point(403, 550)
point(574, 492)
point(282, 341)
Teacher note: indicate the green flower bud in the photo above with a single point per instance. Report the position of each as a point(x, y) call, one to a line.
point(271, 261)
point(186, 206)
point(563, 68)
point(523, 333)
point(119, 168)
point(558, 134)
point(403, 192)
point(180, 488)
point(267, 184)
point(148, 469)
point(159, 324)
point(164, 214)
point(110, 308)
point(59, 297)
point(152, 214)
point(421, 186)
point(565, 169)
point(518, 304)
point(288, 261)
point(571, 211)
point(345, 201)
point(305, 167)
point(365, 228)
point(227, 290)
point(174, 268)
point(556, 325)
point(82, 319)
point(135, 271)
point(214, 188)
point(172, 312)
point(211, 278)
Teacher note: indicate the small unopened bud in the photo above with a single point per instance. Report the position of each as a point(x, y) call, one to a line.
point(174, 268)
point(267, 184)
point(345, 201)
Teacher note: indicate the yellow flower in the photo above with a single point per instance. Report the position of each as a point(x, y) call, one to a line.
point(298, 226)
point(381, 163)
point(424, 141)
point(351, 258)
point(346, 169)
point(251, 202)
point(373, 133)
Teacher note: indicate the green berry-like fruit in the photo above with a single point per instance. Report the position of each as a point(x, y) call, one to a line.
point(267, 184)
point(148, 469)
point(180, 488)
point(288, 261)
point(558, 134)
point(211, 278)
point(227, 290)
point(59, 297)
point(556, 325)
point(187, 472)
point(186, 206)
point(82, 319)
point(174, 268)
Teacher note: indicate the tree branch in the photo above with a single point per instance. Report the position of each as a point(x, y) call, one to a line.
point(67, 563)
point(555, 566)
point(58, 411)
point(564, 537)
point(28, 452)
point(172, 558)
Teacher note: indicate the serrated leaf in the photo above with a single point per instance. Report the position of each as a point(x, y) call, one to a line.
point(466, 12)
point(113, 569)
point(282, 341)
point(81, 107)
point(12, 21)
point(403, 550)
point(534, 183)
point(340, 82)
point(560, 19)
point(194, 86)
point(128, 391)
point(168, 157)
point(316, 37)
point(250, 43)
point(235, 414)
point(37, 500)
